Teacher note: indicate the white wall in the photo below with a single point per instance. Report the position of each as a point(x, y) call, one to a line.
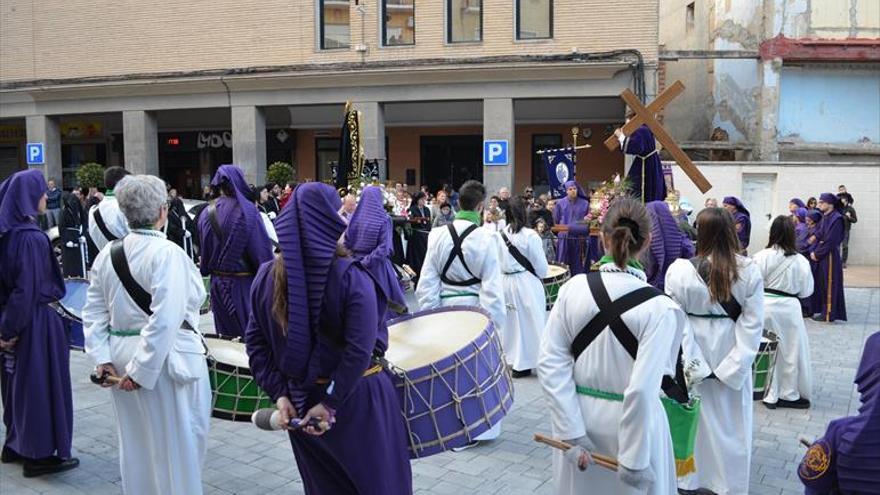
point(801, 179)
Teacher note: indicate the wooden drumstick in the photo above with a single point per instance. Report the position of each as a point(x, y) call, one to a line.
point(806, 443)
point(100, 380)
point(599, 459)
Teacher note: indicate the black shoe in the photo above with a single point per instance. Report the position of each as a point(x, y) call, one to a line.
point(770, 405)
point(794, 404)
point(9, 455)
point(818, 317)
point(49, 465)
point(520, 374)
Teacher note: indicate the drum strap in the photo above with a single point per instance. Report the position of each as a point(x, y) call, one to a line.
point(215, 226)
point(138, 294)
point(609, 316)
point(458, 253)
point(99, 221)
point(518, 256)
point(731, 306)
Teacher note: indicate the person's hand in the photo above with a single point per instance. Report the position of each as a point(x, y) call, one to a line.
point(618, 133)
point(579, 453)
point(128, 384)
point(286, 411)
point(640, 480)
point(105, 369)
point(323, 414)
point(813, 257)
point(8, 345)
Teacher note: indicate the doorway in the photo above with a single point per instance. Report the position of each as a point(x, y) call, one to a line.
point(451, 160)
point(758, 193)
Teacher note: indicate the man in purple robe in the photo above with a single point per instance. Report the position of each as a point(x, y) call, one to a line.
point(234, 243)
point(743, 220)
point(847, 458)
point(668, 243)
point(369, 238)
point(35, 357)
point(314, 350)
point(829, 302)
point(571, 247)
point(646, 172)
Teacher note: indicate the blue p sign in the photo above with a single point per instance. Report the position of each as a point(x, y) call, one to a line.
point(34, 152)
point(495, 152)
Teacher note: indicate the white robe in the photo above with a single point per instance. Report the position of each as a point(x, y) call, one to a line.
point(792, 376)
point(113, 219)
point(163, 426)
point(524, 297)
point(724, 437)
point(635, 431)
point(480, 250)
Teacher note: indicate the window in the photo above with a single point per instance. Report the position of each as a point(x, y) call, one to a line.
point(334, 21)
point(539, 171)
point(534, 19)
point(464, 20)
point(326, 156)
point(689, 18)
point(399, 23)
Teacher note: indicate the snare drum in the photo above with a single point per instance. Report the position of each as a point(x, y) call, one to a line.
point(762, 367)
point(70, 307)
point(234, 393)
point(557, 274)
point(450, 377)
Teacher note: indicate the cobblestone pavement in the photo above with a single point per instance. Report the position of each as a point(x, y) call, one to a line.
point(244, 460)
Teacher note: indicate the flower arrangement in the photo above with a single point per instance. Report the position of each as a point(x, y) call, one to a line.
point(602, 198)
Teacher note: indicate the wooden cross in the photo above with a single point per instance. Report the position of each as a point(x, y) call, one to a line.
point(645, 115)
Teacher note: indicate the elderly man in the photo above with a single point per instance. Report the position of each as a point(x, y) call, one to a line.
point(141, 322)
point(829, 302)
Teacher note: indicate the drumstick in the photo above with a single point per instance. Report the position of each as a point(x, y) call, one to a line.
point(599, 459)
point(806, 443)
point(100, 380)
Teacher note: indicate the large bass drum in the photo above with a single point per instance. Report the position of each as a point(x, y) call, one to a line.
point(71, 308)
point(235, 394)
point(450, 377)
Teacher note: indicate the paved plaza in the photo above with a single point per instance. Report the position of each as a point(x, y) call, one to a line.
point(244, 460)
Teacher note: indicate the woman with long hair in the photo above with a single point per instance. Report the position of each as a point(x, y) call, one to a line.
point(723, 295)
point(523, 266)
point(604, 392)
point(787, 277)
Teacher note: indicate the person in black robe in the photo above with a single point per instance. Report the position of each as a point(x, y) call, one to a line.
point(417, 245)
point(70, 230)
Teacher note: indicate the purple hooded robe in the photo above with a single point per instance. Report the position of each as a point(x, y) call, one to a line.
point(572, 247)
point(828, 297)
point(233, 255)
point(35, 375)
point(800, 229)
point(743, 220)
point(668, 243)
point(847, 458)
point(646, 173)
point(333, 331)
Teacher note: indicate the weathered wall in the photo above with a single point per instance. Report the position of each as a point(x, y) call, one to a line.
point(802, 180)
point(827, 18)
point(829, 105)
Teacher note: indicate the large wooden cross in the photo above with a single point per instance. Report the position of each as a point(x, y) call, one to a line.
point(645, 115)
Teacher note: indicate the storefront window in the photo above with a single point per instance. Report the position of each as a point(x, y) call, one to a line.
point(399, 23)
point(334, 17)
point(534, 19)
point(326, 157)
point(464, 20)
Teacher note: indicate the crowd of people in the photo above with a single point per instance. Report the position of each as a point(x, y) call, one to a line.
point(307, 278)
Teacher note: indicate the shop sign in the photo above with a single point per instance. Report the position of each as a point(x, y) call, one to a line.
point(208, 140)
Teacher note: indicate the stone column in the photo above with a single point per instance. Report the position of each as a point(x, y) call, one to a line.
point(767, 143)
point(249, 142)
point(44, 129)
point(373, 133)
point(498, 123)
point(141, 142)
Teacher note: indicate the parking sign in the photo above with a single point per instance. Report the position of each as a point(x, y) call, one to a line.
point(495, 152)
point(35, 155)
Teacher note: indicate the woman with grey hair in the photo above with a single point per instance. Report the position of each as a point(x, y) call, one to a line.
point(151, 341)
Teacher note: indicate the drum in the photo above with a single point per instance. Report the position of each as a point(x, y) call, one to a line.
point(557, 274)
point(450, 376)
point(234, 393)
point(762, 368)
point(206, 306)
point(404, 276)
point(70, 307)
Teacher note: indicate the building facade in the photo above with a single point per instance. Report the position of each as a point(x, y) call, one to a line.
point(176, 89)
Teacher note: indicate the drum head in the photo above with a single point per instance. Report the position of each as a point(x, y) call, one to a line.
point(554, 271)
point(424, 338)
point(227, 351)
point(74, 299)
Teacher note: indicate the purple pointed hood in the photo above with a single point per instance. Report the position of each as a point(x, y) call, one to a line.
point(801, 214)
point(233, 175)
point(308, 229)
point(868, 375)
point(581, 193)
point(369, 238)
point(20, 200)
point(734, 201)
point(667, 242)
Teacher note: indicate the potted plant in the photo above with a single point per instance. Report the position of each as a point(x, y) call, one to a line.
point(90, 175)
point(280, 173)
